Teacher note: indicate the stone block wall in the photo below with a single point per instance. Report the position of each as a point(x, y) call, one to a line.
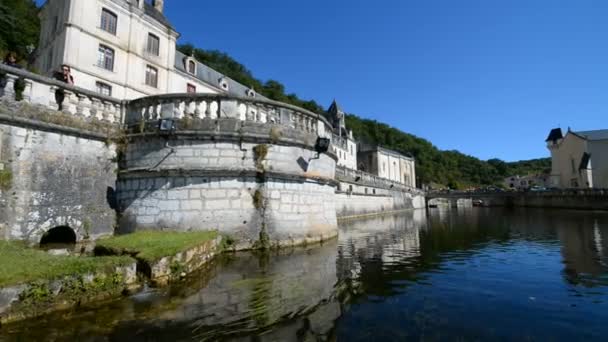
point(362, 198)
point(254, 189)
point(290, 212)
point(52, 179)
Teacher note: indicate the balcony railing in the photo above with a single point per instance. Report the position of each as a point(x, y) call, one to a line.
point(364, 178)
point(222, 106)
point(55, 95)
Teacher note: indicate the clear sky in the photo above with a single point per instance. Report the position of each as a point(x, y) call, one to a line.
point(488, 78)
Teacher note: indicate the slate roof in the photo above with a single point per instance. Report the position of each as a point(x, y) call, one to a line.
point(334, 108)
point(600, 134)
point(211, 76)
point(151, 11)
point(555, 134)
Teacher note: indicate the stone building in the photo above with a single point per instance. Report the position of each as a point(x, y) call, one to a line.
point(526, 182)
point(126, 49)
point(122, 48)
point(578, 159)
point(344, 145)
point(387, 164)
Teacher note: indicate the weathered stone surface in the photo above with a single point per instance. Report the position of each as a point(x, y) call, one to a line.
point(15, 306)
point(56, 180)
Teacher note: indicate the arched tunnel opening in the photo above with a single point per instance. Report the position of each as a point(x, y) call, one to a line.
point(61, 235)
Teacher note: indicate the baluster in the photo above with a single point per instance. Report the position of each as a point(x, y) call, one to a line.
point(157, 109)
point(96, 108)
point(84, 106)
point(242, 110)
point(105, 113)
point(115, 113)
point(190, 108)
point(27, 91)
point(218, 109)
point(52, 104)
point(198, 109)
point(207, 106)
point(70, 102)
point(9, 88)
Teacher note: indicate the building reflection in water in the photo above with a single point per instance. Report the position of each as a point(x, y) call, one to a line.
point(300, 294)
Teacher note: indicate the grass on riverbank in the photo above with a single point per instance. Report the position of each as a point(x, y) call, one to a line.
point(21, 264)
point(153, 245)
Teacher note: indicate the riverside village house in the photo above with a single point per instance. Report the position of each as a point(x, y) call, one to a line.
point(126, 49)
point(578, 159)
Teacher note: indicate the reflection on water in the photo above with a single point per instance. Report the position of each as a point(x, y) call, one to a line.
point(458, 274)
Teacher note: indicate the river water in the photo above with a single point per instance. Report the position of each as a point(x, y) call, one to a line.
point(441, 275)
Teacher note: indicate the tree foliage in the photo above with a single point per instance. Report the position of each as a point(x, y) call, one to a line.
point(448, 168)
point(19, 26)
point(228, 66)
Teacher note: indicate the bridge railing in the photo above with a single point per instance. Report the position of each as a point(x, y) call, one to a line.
point(364, 178)
point(18, 85)
point(553, 192)
point(219, 106)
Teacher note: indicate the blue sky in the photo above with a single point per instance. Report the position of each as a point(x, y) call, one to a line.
point(488, 78)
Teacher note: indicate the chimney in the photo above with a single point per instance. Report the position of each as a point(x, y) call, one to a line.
point(158, 5)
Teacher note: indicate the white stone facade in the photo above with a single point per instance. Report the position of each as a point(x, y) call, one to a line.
point(388, 164)
point(140, 45)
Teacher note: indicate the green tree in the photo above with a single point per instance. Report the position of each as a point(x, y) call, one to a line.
point(19, 26)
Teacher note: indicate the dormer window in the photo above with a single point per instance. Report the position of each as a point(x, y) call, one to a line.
point(190, 65)
point(250, 92)
point(223, 83)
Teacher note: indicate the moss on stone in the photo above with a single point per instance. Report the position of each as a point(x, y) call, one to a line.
point(263, 242)
point(258, 199)
point(20, 264)
point(6, 179)
point(35, 112)
point(260, 153)
point(275, 134)
point(151, 246)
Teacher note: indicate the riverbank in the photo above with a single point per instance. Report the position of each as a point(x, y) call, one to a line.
point(34, 282)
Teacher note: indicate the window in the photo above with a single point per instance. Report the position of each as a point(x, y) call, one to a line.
point(191, 88)
point(108, 21)
point(151, 76)
point(103, 89)
point(192, 67)
point(351, 150)
point(153, 45)
point(105, 58)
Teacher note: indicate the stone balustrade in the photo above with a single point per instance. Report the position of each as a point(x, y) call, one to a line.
point(47, 92)
point(364, 178)
point(223, 106)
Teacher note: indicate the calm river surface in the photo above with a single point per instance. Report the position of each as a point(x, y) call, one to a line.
point(467, 274)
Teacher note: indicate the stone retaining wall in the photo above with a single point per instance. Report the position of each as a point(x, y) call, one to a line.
point(52, 178)
point(258, 187)
point(23, 301)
